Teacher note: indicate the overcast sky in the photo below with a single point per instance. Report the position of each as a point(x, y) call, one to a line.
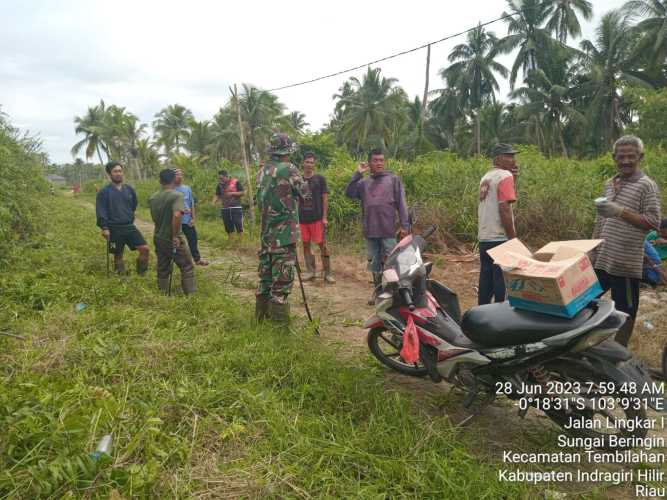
point(58, 58)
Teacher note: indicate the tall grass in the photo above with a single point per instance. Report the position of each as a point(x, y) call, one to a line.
point(199, 401)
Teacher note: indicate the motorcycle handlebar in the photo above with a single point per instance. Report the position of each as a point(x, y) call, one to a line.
point(407, 298)
point(429, 231)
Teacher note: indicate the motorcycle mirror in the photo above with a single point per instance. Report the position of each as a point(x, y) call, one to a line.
point(412, 215)
point(390, 276)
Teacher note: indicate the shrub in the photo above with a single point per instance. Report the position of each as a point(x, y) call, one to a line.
point(22, 186)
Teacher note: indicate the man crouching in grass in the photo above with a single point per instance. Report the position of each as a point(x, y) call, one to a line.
point(167, 208)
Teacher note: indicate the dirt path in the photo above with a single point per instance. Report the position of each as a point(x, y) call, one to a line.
point(341, 310)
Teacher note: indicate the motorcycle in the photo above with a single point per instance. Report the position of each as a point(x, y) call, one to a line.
point(570, 369)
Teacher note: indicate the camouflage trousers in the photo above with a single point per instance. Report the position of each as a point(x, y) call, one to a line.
point(276, 273)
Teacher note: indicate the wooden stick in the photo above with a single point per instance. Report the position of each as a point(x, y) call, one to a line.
point(6, 334)
point(249, 181)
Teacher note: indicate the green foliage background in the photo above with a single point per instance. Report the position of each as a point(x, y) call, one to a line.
point(555, 194)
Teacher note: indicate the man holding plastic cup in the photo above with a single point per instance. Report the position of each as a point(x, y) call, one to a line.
point(629, 209)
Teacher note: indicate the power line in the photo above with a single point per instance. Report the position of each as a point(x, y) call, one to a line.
point(398, 54)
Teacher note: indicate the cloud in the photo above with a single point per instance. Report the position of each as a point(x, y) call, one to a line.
point(59, 58)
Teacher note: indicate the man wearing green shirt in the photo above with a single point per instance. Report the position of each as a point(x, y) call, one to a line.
point(167, 208)
point(659, 239)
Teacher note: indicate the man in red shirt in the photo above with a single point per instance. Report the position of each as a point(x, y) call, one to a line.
point(229, 190)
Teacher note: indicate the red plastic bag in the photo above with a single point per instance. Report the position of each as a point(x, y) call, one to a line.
point(410, 349)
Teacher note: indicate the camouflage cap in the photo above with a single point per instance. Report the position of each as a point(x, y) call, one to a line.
point(281, 144)
point(502, 149)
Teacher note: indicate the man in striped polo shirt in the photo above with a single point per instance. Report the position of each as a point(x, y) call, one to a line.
point(629, 210)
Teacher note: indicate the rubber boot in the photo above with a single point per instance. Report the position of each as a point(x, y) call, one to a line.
point(625, 332)
point(310, 267)
point(261, 308)
point(377, 281)
point(163, 285)
point(188, 285)
point(142, 267)
point(279, 313)
point(326, 265)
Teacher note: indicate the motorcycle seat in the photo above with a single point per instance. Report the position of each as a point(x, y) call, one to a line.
point(501, 325)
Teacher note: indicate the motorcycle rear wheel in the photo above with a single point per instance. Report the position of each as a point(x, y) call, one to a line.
point(573, 373)
point(386, 347)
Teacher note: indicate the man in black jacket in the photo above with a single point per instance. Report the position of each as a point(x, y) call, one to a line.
point(115, 206)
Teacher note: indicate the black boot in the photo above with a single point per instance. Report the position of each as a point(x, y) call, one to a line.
point(261, 308)
point(279, 313)
point(326, 265)
point(310, 267)
point(163, 285)
point(377, 281)
point(188, 285)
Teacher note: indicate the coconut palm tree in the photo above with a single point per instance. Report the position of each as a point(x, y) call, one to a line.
point(131, 133)
point(445, 111)
point(172, 127)
point(148, 157)
point(260, 113)
point(367, 109)
point(609, 67)
point(525, 32)
point(472, 73)
point(546, 101)
point(652, 45)
point(92, 126)
point(225, 131)
point(121, 130)
point(201, 142)
point(296, 122)
point(499, 124)
point(563, 20)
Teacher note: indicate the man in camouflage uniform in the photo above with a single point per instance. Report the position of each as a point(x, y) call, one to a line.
point(279, 185)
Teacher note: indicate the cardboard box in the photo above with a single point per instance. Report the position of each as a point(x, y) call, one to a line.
point(558, 279)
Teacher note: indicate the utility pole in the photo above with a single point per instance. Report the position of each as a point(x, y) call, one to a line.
point(428, 68)
point(244, 157)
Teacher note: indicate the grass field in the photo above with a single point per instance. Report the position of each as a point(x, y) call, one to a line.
point(199, 402)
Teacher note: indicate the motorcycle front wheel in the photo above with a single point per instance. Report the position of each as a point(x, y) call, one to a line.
point(386, 347)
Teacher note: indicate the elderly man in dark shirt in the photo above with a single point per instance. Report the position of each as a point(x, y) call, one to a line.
point(382, 195)
point(115, 206)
